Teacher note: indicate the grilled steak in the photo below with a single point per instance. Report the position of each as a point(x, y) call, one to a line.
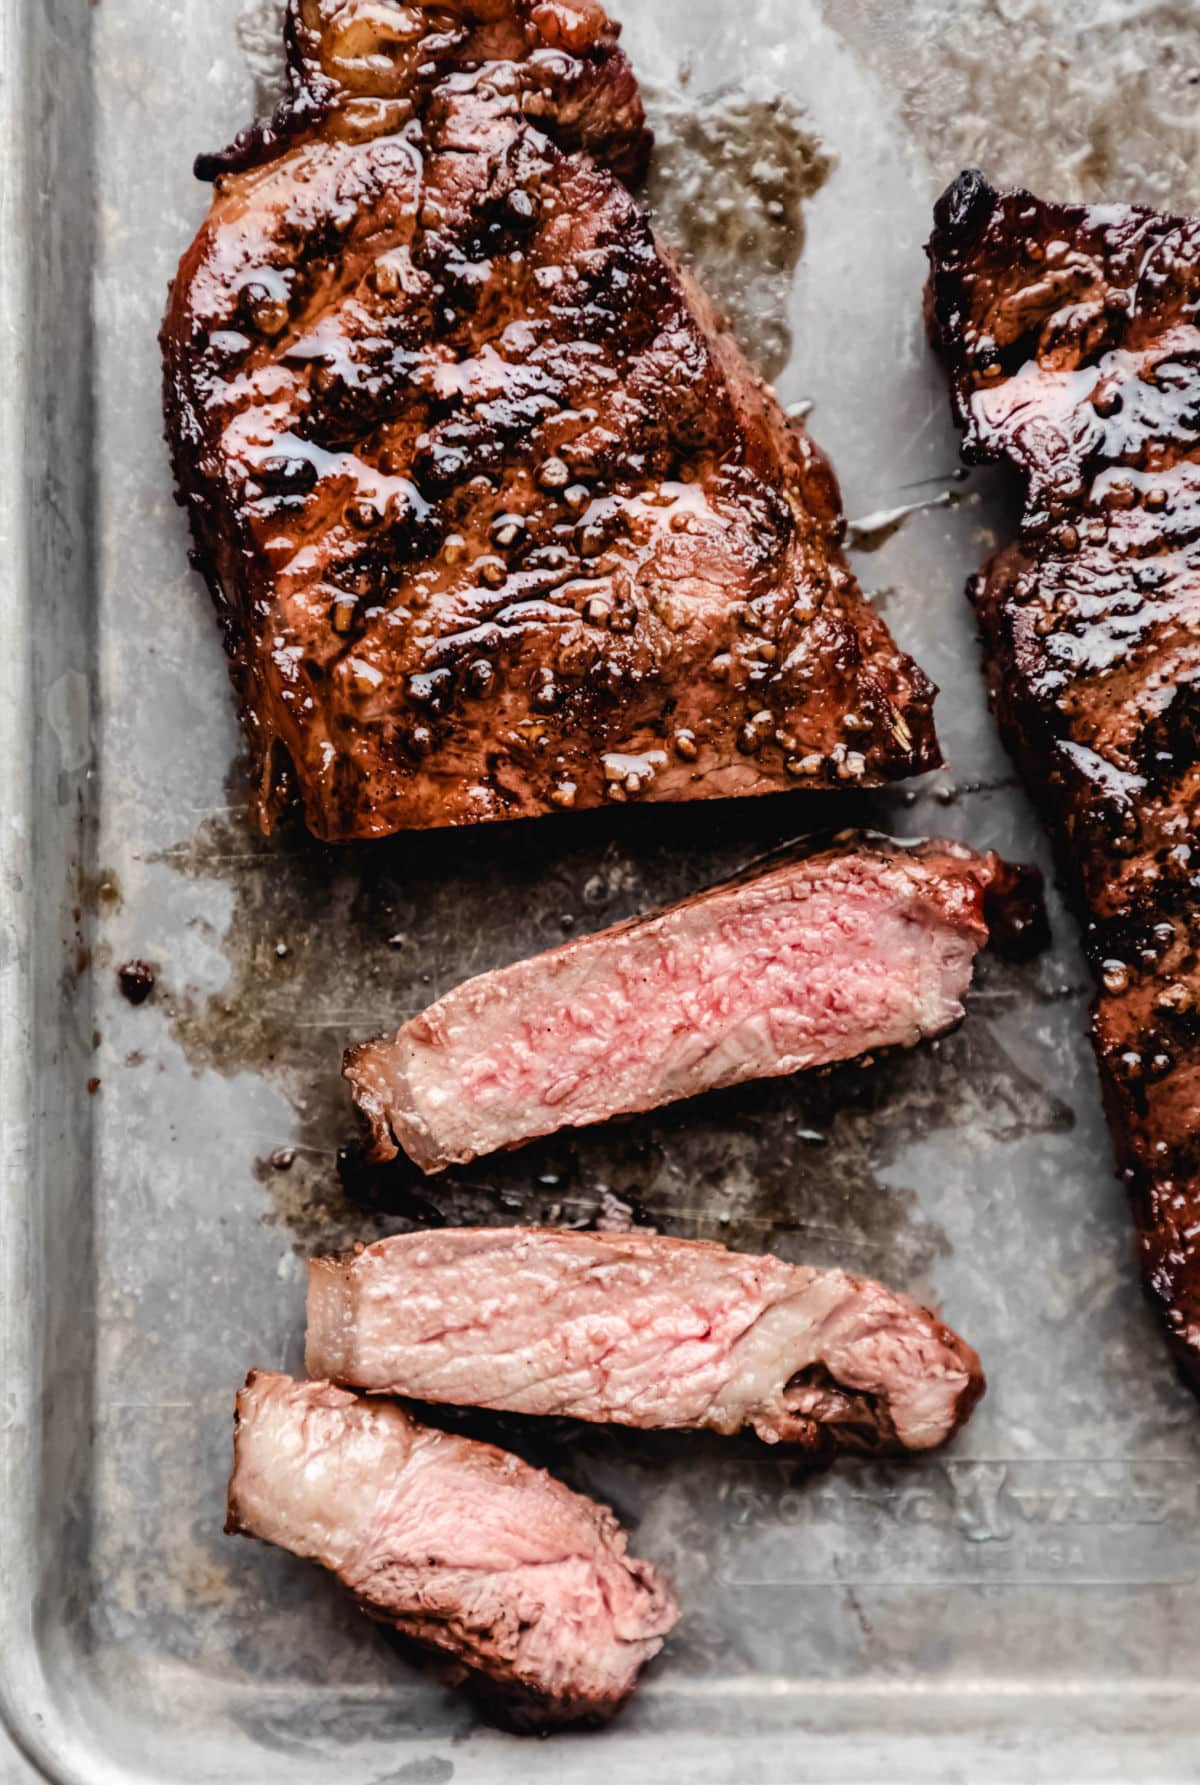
point(453, 1543)
point(867, 945)
point(1071, 339)
point(496, 516)
point(640, 1331)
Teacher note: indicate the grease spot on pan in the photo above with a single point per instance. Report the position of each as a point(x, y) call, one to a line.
point(731, 173)
point(100, 892)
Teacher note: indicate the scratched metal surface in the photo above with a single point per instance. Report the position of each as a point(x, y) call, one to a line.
point(1023, 1608)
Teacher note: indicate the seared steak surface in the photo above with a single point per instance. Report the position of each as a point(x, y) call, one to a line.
point(454, 1543)
point(641, 1331)
point(1070, 334)
point(496, 516)
point(867, 945)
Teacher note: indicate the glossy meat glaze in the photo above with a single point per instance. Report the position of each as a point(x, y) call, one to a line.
point(1070, 335)
point(497, 518)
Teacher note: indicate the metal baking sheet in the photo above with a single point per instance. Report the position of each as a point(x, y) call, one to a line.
point(1022, 1608)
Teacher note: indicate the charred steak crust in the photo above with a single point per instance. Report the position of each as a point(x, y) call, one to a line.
point(640, 1330)
point(1070, 335)
point(453, 1543)
point(805, 960)
point(562, 57)
point(496, 516)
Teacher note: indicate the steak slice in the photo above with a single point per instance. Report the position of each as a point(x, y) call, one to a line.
point(1070, 335)
point(640, 1331)
point(497, 518)
point(451, 1542)
point(866, 945)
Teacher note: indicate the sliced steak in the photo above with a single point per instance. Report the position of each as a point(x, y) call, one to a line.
point(453, 1543)
point(496, 516)
point(867, 945)
point(1070, 334)
point(640, 1331)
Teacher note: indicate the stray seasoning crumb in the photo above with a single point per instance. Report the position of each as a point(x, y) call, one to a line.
point(137, 980)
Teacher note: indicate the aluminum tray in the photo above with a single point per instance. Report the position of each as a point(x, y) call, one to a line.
point(1024, 1608)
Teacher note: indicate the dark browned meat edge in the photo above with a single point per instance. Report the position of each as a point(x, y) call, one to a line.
point(1166, 1211)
